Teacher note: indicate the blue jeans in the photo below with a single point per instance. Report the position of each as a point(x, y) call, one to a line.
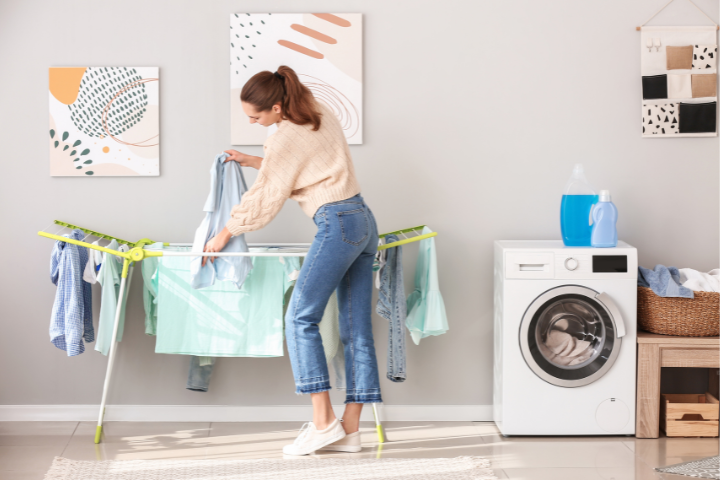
point(199, 375)
point(340, 258)
point(391, 306)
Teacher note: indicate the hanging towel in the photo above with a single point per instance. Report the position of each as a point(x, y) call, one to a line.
point(71, 318)
point(110, 277)
point(425, 306)
point(699, 281)
point(227, 186)
point(664, 281)
point(391, 305)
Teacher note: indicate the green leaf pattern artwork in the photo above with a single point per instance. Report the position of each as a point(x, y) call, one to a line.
point(104, 121)
point(107, 88)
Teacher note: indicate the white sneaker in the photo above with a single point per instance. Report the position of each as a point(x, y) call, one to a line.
point(310, 438)
point(350, 444)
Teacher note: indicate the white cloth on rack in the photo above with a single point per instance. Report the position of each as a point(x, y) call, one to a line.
point(699, 281)
point(122, 248)
point(379, 263)
point(227, 185)
point(93, 264)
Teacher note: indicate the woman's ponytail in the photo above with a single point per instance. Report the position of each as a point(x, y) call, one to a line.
point(266, 89)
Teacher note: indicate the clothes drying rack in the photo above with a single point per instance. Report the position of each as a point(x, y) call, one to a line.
point(137, 253)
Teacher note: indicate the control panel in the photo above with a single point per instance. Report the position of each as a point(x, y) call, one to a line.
point(551, 260)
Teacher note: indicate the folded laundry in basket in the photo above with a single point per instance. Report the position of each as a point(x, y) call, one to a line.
point(699, 281)
point(664, 281)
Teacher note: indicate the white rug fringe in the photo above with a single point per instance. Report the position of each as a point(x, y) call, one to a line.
point(302, 468)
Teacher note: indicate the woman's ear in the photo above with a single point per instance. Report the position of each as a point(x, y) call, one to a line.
point(277, 108)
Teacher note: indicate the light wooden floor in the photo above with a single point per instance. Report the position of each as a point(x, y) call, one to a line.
point(27, 448)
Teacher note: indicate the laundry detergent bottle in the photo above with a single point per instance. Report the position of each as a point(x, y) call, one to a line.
point(604, 215)
point(577, 203)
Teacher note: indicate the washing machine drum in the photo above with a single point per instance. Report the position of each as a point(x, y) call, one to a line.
point(568, 336)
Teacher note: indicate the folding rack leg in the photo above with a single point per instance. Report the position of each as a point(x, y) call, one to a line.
point(378, 426)
point(113, 350)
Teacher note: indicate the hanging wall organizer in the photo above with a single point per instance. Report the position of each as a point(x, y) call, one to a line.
point(679, 80)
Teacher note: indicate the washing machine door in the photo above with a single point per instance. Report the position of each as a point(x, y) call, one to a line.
point(571, 335)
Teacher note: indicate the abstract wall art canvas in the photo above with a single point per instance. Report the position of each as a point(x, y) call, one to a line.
point(324, 49)
point(104, 121)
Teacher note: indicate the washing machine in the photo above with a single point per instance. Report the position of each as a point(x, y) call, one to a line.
point(564, 339)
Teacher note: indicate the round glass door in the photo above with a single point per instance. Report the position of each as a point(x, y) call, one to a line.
point(568, 336)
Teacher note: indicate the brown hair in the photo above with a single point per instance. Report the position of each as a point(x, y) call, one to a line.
point(265, 89)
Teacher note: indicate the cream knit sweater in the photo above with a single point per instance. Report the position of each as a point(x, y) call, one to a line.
point(313, 168)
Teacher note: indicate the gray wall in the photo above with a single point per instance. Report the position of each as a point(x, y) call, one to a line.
point(475, 113)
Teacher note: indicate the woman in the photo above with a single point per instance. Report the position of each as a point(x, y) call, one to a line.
point(308, 159)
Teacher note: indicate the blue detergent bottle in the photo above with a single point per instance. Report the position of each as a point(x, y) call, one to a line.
point(604, 229)
point(577, 203)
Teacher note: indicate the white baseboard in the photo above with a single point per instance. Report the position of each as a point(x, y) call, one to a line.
point(229, 413)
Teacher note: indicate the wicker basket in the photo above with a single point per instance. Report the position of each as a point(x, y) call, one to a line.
point(684, 317)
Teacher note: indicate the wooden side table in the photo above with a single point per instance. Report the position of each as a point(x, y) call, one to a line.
point(657, 351)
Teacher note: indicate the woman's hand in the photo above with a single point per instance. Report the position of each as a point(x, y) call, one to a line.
point(216, 244)
point(243, 159)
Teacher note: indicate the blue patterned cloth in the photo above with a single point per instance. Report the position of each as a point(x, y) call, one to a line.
point(71, 319)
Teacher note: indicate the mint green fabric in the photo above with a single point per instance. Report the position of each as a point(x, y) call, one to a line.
point(426, 308)
point(149, 266)
point(109, 277)
point(219, 320)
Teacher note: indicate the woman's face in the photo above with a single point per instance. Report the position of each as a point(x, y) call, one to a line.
point(267, 118)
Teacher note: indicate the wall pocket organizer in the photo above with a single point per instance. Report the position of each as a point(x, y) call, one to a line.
point(679, 81)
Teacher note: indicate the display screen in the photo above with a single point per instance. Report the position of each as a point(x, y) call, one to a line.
point(610, 263)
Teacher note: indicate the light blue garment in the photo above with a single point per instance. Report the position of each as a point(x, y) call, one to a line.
point(340, 259)
point(664, 281)
point(425, 305)
point(227, 186)
point(391, 306)
point(109, 277)
point(71, 318)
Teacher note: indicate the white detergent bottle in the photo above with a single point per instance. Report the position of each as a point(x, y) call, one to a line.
point(605, 215)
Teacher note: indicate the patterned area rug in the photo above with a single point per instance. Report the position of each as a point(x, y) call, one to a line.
point(302, 468)
point(705, 468)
